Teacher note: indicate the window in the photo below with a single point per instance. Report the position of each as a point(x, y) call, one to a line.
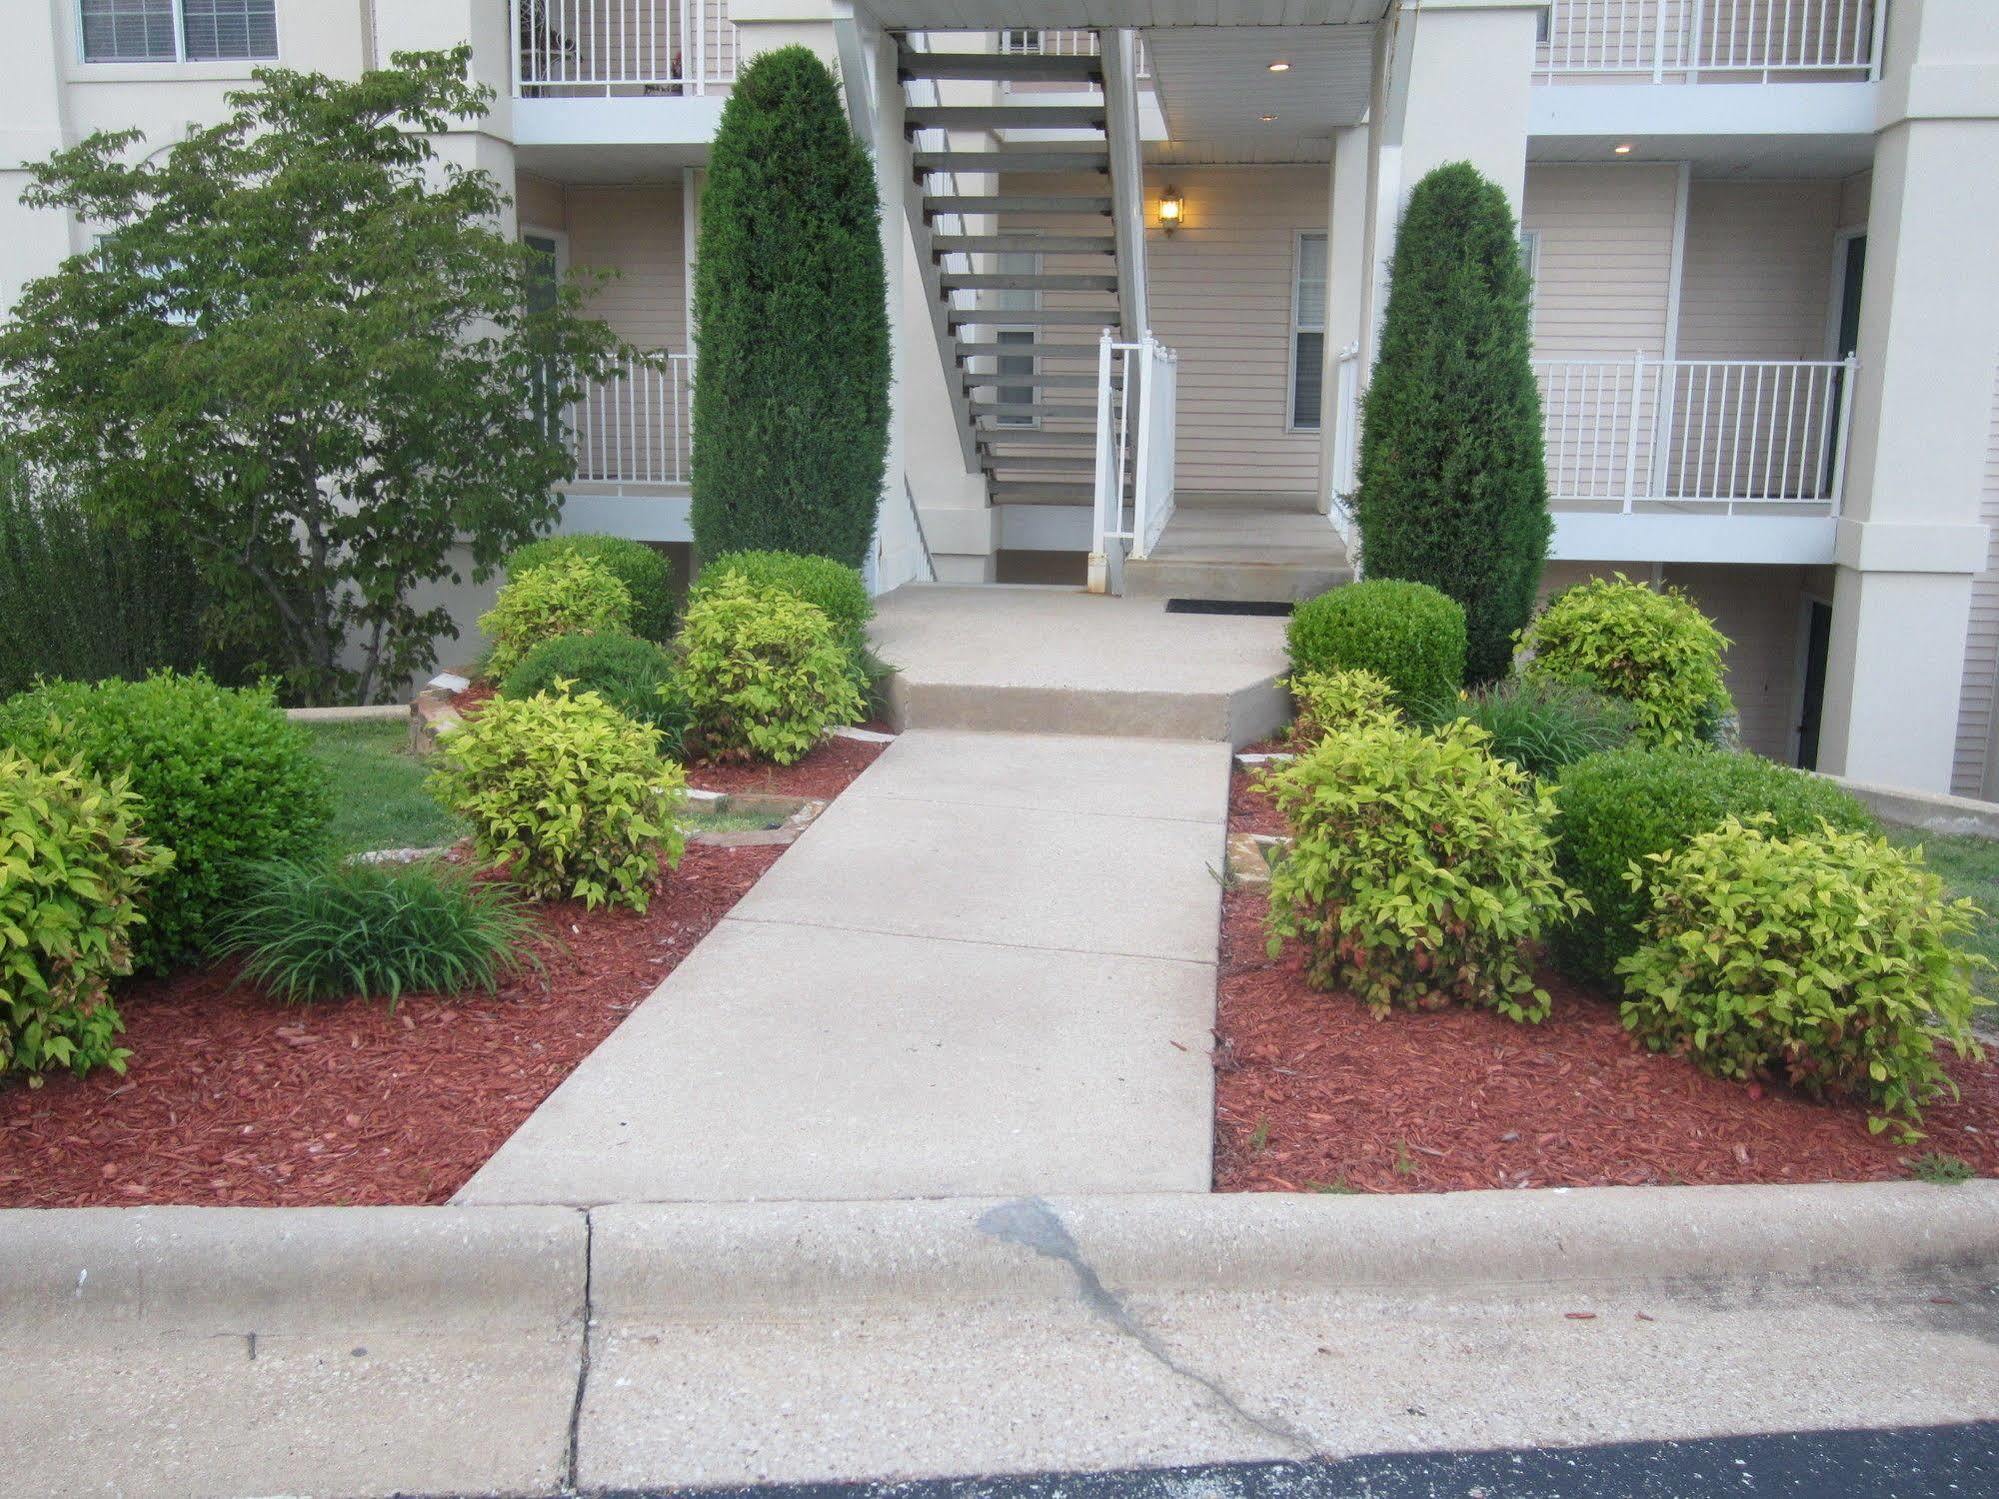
point(178, 30)
point(1017, 263)
point(1018, 39)
point(1308, 333)
point(1530, 262)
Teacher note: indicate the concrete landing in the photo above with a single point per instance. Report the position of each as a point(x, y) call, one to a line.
point(987, 969)
point(1269, 548)
point(1061, 661)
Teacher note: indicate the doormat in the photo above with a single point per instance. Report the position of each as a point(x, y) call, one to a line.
point(1226, 606)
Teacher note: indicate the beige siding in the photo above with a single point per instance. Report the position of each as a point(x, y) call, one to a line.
point(636, 232)
point(540, 203)
point(1758, 279)
point(1981, 647)
point(1603, 272)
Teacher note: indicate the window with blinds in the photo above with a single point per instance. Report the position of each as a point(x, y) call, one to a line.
point(178, 30)
point(1308, 332)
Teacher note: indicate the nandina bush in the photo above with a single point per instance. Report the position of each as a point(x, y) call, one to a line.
point(1650, 647)
point(644, 570)
point(572, 595)
point(222, 777)
point(1407, 633)
point(765, 673)
point(1831, 960)
point(74, 872)
point(1328, 700)
point(571, 796)
point(1613, 810)
point(833, 586)
point(1421, 870)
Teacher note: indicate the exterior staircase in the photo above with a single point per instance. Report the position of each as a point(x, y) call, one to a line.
point(1020, 309)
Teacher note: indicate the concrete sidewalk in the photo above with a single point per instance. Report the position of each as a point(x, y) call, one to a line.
point(987, 969)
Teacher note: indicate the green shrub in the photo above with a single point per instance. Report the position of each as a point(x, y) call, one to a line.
point(73, 871)
point(310, 932)
point(1421, 871)
point(1650, 647)
point(1542, 725)
point(1613, 810)
point(223, 778)
point(568, 596)
point(634, 676)
point(1407, 633)
point(790, 300)
point(1825, 959)
point(1453, 486)
point(765, 672)
point(833, 586)
point(571, 795)
point(1326, 701)
point(645, 572)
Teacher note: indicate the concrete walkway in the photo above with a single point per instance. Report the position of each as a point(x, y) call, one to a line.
point(987, 970)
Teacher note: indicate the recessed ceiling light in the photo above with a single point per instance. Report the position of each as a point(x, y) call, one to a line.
point(1280, 66)
point(1622, 148)
point(1266, 118)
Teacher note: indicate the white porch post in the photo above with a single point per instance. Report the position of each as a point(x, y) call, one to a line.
point(1911, 535)
point(1348, 283)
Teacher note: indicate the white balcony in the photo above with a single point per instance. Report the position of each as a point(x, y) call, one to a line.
point(612, 49)
point(633, 437)
point(1711, 41)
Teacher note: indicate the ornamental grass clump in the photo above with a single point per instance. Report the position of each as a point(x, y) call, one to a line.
point(313, 932)
point(1649, 647)
point(1421, 872)
point(1542, 725)
point(1326, 701)
point(765, 673)
point(1828, 960)
point(74, 875)
point(1407, 633)
point(572, 595)
point(570, 795)
point(222, 778)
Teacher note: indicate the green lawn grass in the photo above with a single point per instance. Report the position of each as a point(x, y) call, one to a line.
point(378, 796)
point(1970, 867)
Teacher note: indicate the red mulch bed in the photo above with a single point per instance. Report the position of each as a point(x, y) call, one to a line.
point(232, 1099)
point(824, 774)
point(1312, 1091)
point(1250, 811)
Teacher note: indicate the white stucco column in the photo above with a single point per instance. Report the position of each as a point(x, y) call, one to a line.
point(33, 126)
point(1911, 538)
point(1347, 291)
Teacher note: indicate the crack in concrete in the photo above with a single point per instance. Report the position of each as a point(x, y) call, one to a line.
point(571, 1457)
point(1031, 1223)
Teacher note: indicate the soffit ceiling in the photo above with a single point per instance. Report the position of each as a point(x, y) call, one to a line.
point(1215, 84)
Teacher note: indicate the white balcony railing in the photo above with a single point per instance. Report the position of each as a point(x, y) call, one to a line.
point(638, 426)
point(1740, 436)
point(1695, 41)
point(1137, 411)
point(566, 49)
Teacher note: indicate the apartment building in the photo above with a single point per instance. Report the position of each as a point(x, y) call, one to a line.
point(1137, 253)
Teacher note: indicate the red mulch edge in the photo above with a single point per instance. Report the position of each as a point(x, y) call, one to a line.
point(1250, 810)
point(1312, 1091)
point(232, 1099)
point(469, 700)
point(824, 773)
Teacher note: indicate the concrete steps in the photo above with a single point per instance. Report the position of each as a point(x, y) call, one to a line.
point(1242, 549)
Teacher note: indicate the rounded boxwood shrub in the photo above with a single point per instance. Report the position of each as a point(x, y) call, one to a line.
point(223, 778)
point(634, 676)
point(1407, 633)
point(569, 794)
point(1542, 725)
point(1650, 647)
point(1614, 810)
point(310, 932)
point(1824, 959)
point(567, 596)
point(645, 572)
point(1326, 701)
point(1421, 871)
point(765, 672)
point(74, 871)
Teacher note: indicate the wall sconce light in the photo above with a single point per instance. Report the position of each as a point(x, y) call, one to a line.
point(1172, 210)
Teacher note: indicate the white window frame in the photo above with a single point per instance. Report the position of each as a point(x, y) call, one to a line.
point(1293, 329)
point(1530, 262)
point(180, 57)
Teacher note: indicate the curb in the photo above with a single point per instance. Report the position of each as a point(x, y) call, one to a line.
point(1928, 811)
point(365, 713)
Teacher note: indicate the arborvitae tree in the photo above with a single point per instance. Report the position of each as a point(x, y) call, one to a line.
point(791, 310)
point(1453, 485)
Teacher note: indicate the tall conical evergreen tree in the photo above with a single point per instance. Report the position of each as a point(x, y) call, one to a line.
point(791, 312)
point(1453, 484)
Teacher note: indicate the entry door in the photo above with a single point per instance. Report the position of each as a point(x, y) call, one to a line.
point(1818, 640)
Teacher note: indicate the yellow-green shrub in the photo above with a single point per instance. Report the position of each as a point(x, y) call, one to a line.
point(766, 673)
point(1422, 868)
point(572, 594)
point(572, 796)
point(1825, 959)
point(72, 869)
point(1329, 700)
point(1650, 647)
